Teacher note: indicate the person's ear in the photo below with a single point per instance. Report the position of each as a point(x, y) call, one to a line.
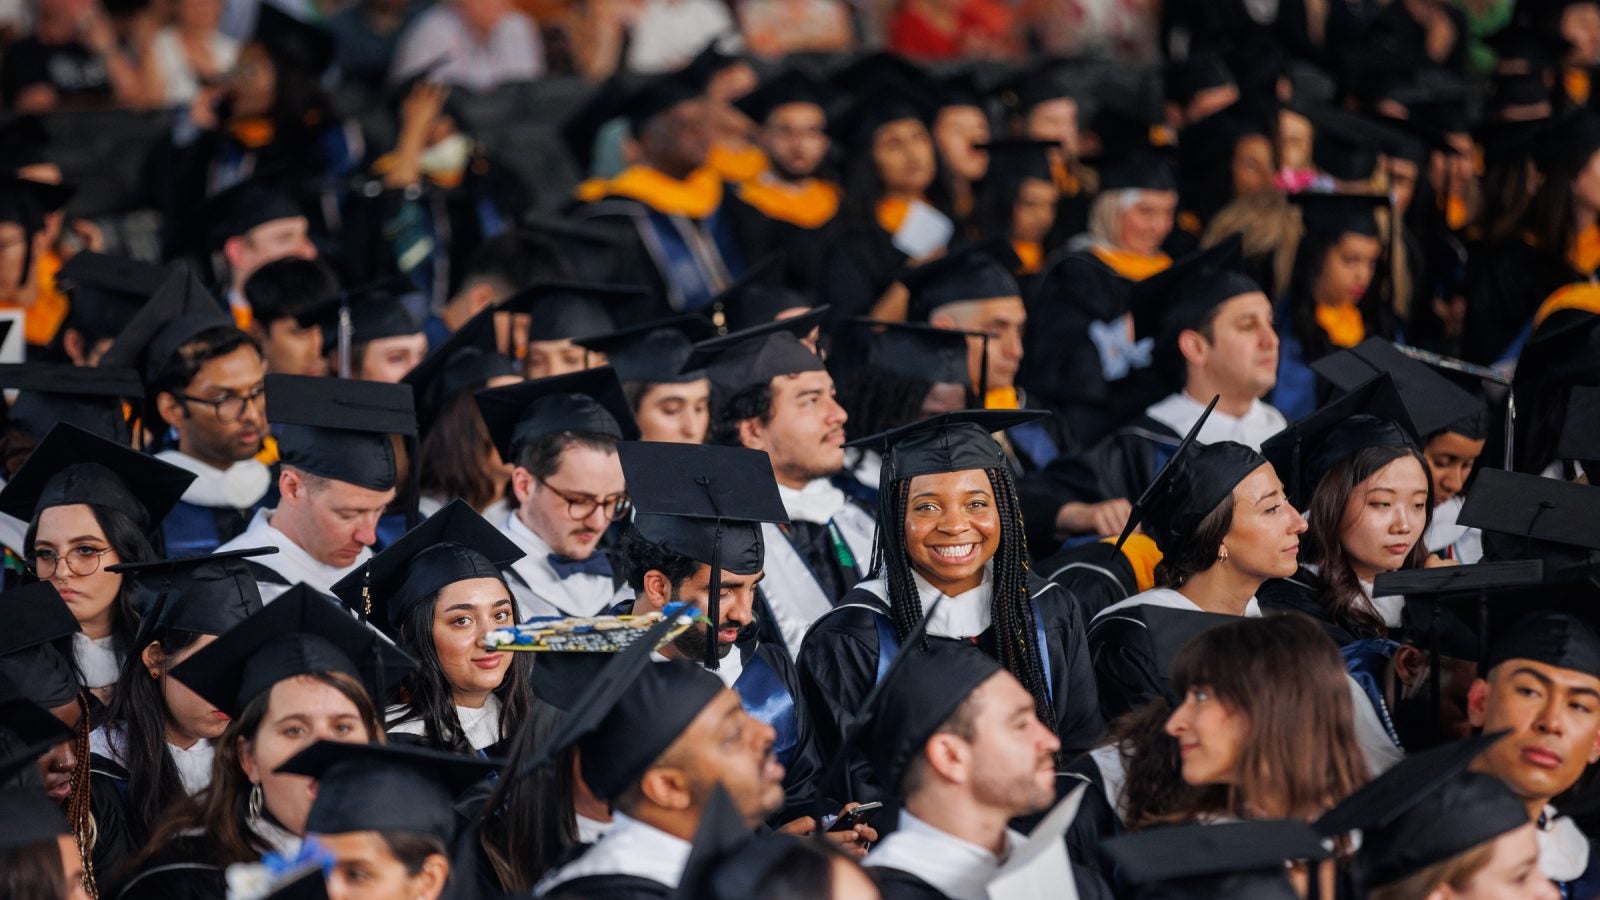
point(947, 757)
point(1410, 664)
point(233, 251)
point(480, 296)
point(433, 877)
point(667, 787)
point(170, 409)
point(76, 348)
point(942, 320)
point(1594, 752)
point(521, 484)
point(1478, 703)
point(1195, 348)
point(752, 435)
point(290, 485)
point(152, 657)
point(657, 588)
point(247, 761)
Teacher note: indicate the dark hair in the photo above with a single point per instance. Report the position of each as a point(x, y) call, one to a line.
point(132, 545)
point(1340, 591)
point(542, 457)
point(288, 287)
point(528, 823)
point(863, 186)
point(219, 812)
point(1551, 215)
point(1310, 257)
point(637, 555)
point(1153, 789)
point(1011, 605)
point(452, 453)
point(1286, 677)
point(877, 401)
point(178, 371)
point(963, 723)
point(138, 707)
point(15, 447)
point(32, 872)
point(512, 261)
point(1199, 552)
point(1506, 199)
point(802, 872)
point(412, 849)
point(430, 697)
point(728, 410)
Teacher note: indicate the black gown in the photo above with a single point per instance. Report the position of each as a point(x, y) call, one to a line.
point(1128, 666)
point(117, 836)
point(1301, 593)
point(859, 263)
point(1506, 283)
point(610, 887)
point(840, 663)
point(180, 872)
point(769, 688)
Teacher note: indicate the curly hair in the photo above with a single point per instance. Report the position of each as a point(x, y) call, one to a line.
point(727, 411)
point(637, 555)
point(876, 400)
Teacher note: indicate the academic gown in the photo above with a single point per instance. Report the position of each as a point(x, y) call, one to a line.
point(844, 656)
point(768, 684)
point(1300, 593)
point(814, 560)
point(633, 860)
point(1123, 652)
point(1506, 283)
point(216, 507)
point(117, 837)
point(178, 872)
point(860, 262)
point(919, 862)
point(796, 220)
point(539, 590)
point(278, 572)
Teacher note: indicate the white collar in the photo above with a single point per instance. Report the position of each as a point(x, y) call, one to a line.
point(1179, 412)
point(98, 661)
point(630, 847)
point(1171, 599)
point(965, 615)
point(481, 726)
point(818, 502)
point(240, 486)
point(1563, 849)
point(278, 839)
point(955, 868)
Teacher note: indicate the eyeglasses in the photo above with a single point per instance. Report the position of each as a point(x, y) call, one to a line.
point(580, 508)
point(80, 561)
point(230, 408)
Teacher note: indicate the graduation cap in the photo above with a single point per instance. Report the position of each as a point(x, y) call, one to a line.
point(36, 620)
point(1040, 82)
point(704, 502)
point(758, 297)
point(27, 730)
point(624, 711)
point(195, 594)
point(1580, 430)
point(1182, 81)
point(757, 355)
point(933, 682)
point(376, 311)
point(1128, 158)
point(1183, 295)
point(385, 787)
point(301, 632)
point(1433, 401)
point(1345, 145)
point(454, 544)
point(340, 428)
point(179, 311)
point(469, 359)
point(1011, 160)
point(589, 402)
point(652, 352)
point(1424, 810)
point(1553, 638)
point(1194, 481)
point(891, 99)
point(26, 202)
point(914, 350)
point(1566, 143)
point(1534, 508)
point(979, 272)
point(1340, 213)
point(90, 398)
point(562, 310)
point(28, 817)
point(1372, 415)
point(788, 86)
point(1239, 860)
point(657, 95)
point(72, 466)
point(238, 209)
point(290, 42)
point(106, 291)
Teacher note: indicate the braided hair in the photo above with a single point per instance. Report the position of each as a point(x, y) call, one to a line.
point(80, 816)
point(1011, 608)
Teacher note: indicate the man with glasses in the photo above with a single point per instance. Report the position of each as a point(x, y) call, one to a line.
point(561, 434)
point(204, 380)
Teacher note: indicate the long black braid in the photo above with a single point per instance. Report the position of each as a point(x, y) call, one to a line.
point(1012, 613)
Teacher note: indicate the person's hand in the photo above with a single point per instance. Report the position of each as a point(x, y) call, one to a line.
point(856, 840)
point(421, 108)
point(88, 234)
point(1105, 517)
point(805, 826)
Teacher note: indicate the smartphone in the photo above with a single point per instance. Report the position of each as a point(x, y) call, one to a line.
point(858, 816)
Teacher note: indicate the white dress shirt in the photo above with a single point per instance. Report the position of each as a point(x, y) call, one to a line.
point(1180, 411)
point(291, 562)
point(629, 847)
point(955, 868)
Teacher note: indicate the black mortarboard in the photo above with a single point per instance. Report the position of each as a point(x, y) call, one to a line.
point(293, 43)
point(729, 862)
point(656, 95)
point(892, 99)
point(36, 620)
point(757, 355)
point(28, 816)
point(72, 466)
point(929, 687)
point(1340, 213)
point(1040, 82)
point(1404, 785)
point(176, 313)
point(235, 210)
point(1553, 638)
point(652, 352)
point(706, 503)
point(915, 350)
point(385, 788)
point(106, 291)
point(788, 86)
point(301, 632)
point(1580, 429)
point(377, 311)
point(589, 402)
point(758, 297)
point(90, 398)
point(454, 544)
point(196, 594)
point(1013, 159)
point(1196, 478)
point(1372, 415)
point(1568, 142)
point(1183, 295)
point(1531, 507)
point(1128, 158)
point(1208, 145)
point(1431, 596)
point(340, 428)
point(1202, 71)
point(1433, 401)
point(1345, 145)
point(562, 310)
point(1239, 860)
point(628, 712)
point(467, 360)
point(1538, 47)
point(27, 730)
point(979, 272)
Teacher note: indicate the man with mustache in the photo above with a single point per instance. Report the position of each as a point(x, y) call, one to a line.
point(1543, 686)
point(771, 392)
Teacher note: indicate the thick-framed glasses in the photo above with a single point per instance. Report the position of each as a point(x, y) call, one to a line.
point(80, 561)
point(230, 408)
point(580, 508)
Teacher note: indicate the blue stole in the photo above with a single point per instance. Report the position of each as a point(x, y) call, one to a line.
point(889, 647)
point(684, 269)
point(190, 530)
point(764, 696)
point(1032, 441)
point(1364, 660)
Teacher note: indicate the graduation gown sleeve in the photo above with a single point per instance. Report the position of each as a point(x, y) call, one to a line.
point(116, 837)
point(1120, 465)
point(1124, 664)
point(179, 874)
point(838, 666)
point(859, 264)
point(610, 887)
point(897, 884)
point(1300, 594)
point(1072, 690)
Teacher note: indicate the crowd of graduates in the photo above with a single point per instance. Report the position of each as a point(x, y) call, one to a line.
point(873, 478)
